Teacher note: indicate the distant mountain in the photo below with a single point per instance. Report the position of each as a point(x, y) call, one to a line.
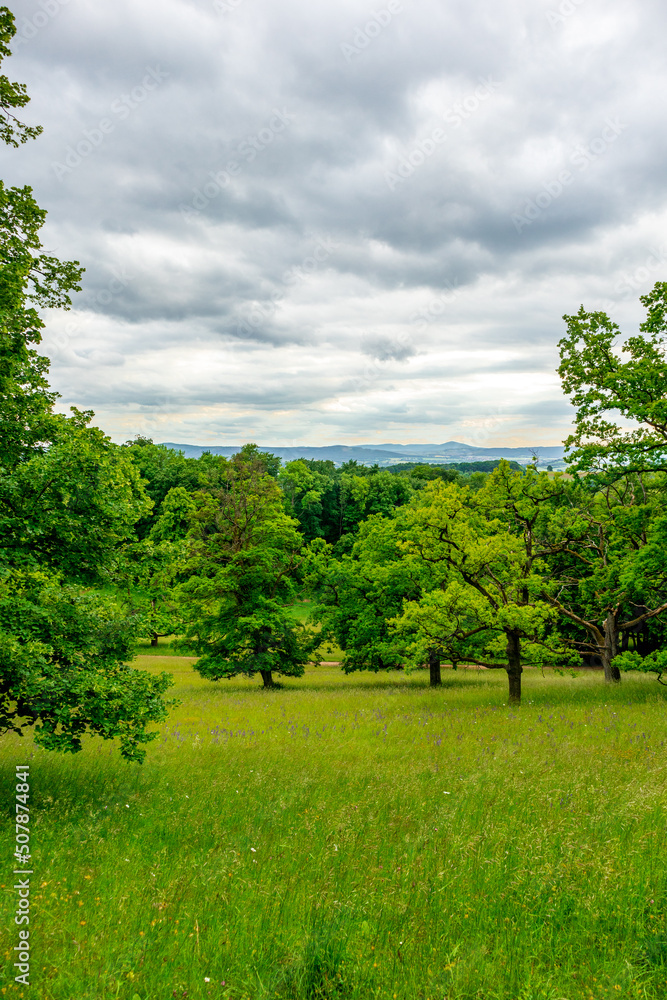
point(337, 453)
point(456, 451)
point(389, 454)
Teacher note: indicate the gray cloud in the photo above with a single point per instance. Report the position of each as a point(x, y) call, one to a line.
point(305, 226)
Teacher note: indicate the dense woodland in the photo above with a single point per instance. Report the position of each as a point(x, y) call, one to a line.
point(103, 544)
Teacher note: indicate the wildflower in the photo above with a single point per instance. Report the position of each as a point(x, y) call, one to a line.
point(206, 979)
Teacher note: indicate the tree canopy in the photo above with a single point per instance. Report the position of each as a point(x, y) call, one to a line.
point(244, 556)
point(604, 386)
point(68, 501)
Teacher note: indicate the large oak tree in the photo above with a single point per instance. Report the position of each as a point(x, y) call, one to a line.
point(68, 500)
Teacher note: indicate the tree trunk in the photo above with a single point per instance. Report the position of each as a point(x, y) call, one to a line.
point(267, 677)
point(611, 673)
point(514, 668)
point(154, 639)
point(434, 668)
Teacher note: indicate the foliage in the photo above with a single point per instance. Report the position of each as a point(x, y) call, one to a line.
point(352, 496)
point(602, 384)
point(427, 470)
point(654, 662)
point(490, 547)
point(611, 575)
point(68, 501)
point(303, 489)
point(12, 95)
point(613, 584)
point(64, 514)
point(360, 591)
point(162, 470)
point(331, 502)
point(452, 622)
point(64, 655)
point(151, 567)
point(245, 553)
point(459, 574)
point(68, 506)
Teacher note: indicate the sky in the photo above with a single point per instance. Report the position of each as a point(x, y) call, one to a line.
point(340, 222)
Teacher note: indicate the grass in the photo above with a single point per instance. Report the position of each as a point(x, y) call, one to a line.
point(163, 648)
point(355, 837)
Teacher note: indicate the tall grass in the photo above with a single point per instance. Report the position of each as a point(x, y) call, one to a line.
point(355, 837)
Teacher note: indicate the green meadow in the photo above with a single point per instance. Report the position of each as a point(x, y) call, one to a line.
point(354, 837)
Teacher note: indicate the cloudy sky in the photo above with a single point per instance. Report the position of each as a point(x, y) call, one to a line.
point(340, 222)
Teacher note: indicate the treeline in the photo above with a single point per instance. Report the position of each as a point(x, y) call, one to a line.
point(502, 568)
point(328, 501)
point(424, 470)
point(101, 544)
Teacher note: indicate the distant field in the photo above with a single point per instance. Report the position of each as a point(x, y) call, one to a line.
point(355, 837)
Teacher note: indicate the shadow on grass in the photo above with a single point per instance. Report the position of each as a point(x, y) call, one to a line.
point(318, 972)
point(537, 690)
point(358, 681)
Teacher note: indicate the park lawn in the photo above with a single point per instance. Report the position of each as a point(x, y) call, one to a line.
point(354, 837)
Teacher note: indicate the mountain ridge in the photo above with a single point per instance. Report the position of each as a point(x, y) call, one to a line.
point(390, 454)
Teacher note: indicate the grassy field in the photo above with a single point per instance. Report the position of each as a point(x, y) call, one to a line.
point(355, 837)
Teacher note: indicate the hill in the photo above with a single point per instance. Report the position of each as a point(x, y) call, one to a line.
point(390, 454)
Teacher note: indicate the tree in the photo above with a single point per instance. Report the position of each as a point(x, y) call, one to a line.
point(68, 501)
point(607, 593)
point(152, 567)
point(490, 548)
point(652, 663)
point(12, 95)
point(602, 384)
point(355, 493)
point(459, 573)
point(611, 574)
point(162, 469)
point(245, 554)
point(64, 514)
point(360, 591)
point(303, 488)
point(450, 623)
